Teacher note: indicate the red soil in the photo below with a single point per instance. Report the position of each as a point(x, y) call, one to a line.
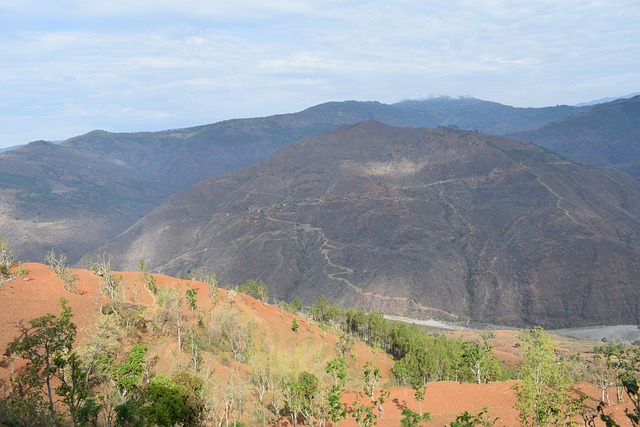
point(39, 293)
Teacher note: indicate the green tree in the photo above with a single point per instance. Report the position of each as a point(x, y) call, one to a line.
point(616, 355)
point(411, 418)
point(363, 414)
point(626, 363)
point(323, 311)
point(308, 388)
point(125, 380)
point(419, 392)
point(47, 348)
point(295, 305)
point(413, 368)
point(88, 413)
point(377, 329)
point(164, 406)
point(129, 414)
point(355, 322)
point(191, 390)
point(299, 395)
point(481, 361)
point(337, 368)
point(191, 298)
point(482, 418)
point(372, 377)
point(125, 376)
point(73, 387)
point(130, 373)
point(256, 289)
point(542, 395)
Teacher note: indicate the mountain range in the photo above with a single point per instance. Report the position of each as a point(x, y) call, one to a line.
point(448, 221)
point(416, 222)
point(77, 194)
point(608, 134)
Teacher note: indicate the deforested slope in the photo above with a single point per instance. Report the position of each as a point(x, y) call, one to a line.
point(414, 222)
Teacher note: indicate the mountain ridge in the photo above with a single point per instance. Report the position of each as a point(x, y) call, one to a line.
point(607, 134)
point(423, 222)
point(76, 194)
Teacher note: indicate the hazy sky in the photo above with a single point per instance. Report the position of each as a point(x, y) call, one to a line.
point(68, 67)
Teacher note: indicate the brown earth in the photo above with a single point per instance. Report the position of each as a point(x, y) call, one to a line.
point(40, 291)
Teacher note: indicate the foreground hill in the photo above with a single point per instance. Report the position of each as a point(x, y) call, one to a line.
point(76, 195)
point(608, 134)
point(414, 222)
point(310, 346)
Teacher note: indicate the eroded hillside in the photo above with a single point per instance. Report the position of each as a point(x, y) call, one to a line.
point(418, 222)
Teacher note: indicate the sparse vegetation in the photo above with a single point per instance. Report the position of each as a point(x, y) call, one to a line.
point(113, 379)
point(213, 283)
point(256, 289)
point(543, 395)
point(190, 295)
point(113, 287)
point(148, 280)
point(58, 264)
point(625, 362)
point(6, 262)
point(481, 419)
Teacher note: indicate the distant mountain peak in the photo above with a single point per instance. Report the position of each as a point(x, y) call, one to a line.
point(608, 99)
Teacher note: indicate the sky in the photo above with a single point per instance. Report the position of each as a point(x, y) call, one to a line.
point(69, 67)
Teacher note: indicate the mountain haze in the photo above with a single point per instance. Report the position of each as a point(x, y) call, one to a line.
point(414, 222)
point(608, 134)
point(57, 197)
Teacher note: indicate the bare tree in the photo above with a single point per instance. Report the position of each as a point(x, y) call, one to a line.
point(58, 264)
point(6, 261)
point(228, 324)
point(228, 400)
point(170, 312)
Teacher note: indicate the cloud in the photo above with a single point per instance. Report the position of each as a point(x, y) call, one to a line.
point(147, 65)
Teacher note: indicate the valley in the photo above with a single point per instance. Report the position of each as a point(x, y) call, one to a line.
point(449, 223)
point(320, 214)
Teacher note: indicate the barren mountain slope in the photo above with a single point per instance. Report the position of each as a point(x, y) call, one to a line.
point(608, 134)
point(76, 195)
point(58, 197)
point(416, 222)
